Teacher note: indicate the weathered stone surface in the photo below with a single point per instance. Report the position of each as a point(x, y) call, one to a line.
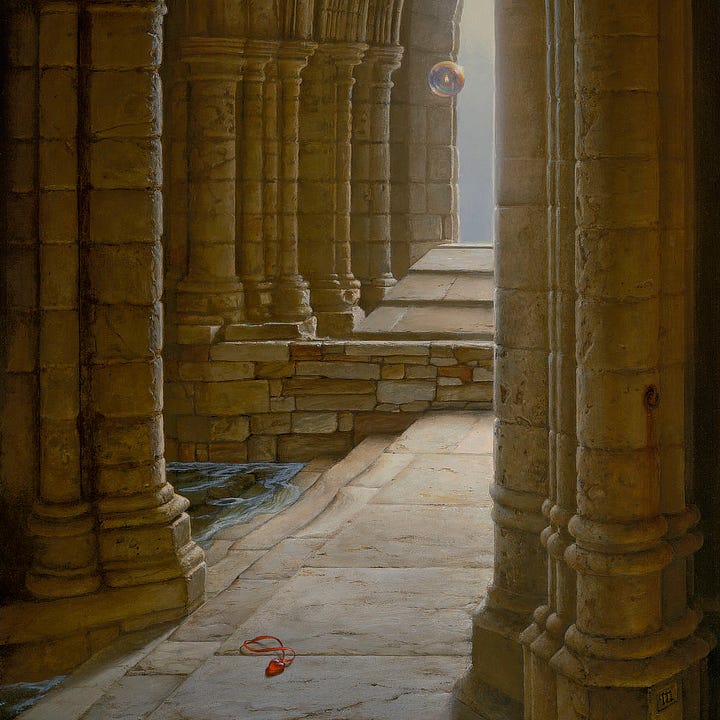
point(405, 391)
point(353, 688)
point(238, 397)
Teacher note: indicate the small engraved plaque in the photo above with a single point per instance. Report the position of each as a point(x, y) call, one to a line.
point(666, 697)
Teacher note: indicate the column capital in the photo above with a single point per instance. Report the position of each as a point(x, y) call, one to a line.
point(213, 58)
point(293, 56)
point(127, 6)
point(344, 54)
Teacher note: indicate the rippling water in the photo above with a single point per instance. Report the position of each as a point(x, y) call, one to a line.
point(223, 494)
point(16, 698)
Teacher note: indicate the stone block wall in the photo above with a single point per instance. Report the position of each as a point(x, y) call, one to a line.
point(255, 401)
point(423, 136)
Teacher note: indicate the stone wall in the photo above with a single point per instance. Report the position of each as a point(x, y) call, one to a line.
point(423, 135)
point(232, 402)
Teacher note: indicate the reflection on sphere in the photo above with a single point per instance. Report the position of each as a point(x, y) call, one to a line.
point(446, 78)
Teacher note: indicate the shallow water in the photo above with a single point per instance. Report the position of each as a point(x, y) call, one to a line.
point(224, 494)
point(19, 697)
point(220, 494)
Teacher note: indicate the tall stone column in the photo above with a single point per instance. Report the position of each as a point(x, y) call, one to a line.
point(292, 292)
point(545, 636)
point(211, 294)
point(271, 141)
point(345, 57)
point(494, 684)
point(629, 649)
point(144, 533)
point(327, 165)
point(371, 224)
point(250, 199)
point(63, 521)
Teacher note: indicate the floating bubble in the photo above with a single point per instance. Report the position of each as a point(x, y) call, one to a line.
point(446, 78)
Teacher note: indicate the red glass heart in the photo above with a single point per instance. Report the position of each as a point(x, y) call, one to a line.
point(275, 667)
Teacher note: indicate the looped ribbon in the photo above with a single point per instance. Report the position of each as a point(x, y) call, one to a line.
point(286, 655)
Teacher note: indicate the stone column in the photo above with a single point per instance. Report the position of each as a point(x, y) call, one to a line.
point(327, 162)
point(144, 533)
point(211, 294)
point(371, 174)
point(345, 56)
point(494, 684)
point(545, 636)
point(63, 522)
point(271, 142)
point(292, 293)
point(628, 649)
point(250, 198)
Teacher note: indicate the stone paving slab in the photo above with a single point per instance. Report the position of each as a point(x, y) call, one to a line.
point(436, 433)
point(424, 287)
point(337, 688)
point(407, 536)
point(441, 479)
point(371, 611)
point(457, 258)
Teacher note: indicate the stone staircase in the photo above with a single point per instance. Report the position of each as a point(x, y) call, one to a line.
point(447, 295)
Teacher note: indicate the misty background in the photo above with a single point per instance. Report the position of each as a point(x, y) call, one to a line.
point(475, 122)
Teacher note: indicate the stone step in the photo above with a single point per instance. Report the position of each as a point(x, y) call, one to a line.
point(441, 287)
point(458, 259)
point(429, 321)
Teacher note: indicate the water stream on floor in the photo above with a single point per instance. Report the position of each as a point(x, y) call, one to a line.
point(221, 495)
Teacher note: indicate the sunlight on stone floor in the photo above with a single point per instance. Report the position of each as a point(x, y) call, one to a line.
point(372, 576)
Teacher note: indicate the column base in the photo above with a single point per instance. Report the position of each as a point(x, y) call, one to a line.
point(258, 300)
point(674, 697)
point(493, 686)
point(205, 302)
point(374, 291)
point(65, 552)
point(339, 324)
point(45, 639)
point(476, 700)
point(292, 300)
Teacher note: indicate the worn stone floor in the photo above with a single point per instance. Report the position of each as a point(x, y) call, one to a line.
point(371, 576)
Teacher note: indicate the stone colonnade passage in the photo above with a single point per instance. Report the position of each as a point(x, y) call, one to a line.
point(275, 230)
point(587, 110)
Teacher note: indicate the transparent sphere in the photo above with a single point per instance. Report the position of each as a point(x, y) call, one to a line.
point(446, 78)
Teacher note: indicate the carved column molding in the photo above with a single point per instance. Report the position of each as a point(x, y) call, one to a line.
point(292, 293)
point(144, 533)
point(371, 220)
point(545, 637)
point(63, 521)
point(631, 645)
point(251, 186)
point(495, 682)
point(211, 293)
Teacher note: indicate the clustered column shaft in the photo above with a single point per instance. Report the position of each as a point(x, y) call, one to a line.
point(211, 293)
point(545, 638)
point(292, 297)
point(144, 533)
point(521, 360)
point(65, 562)
point(251, 188)
point(621, 643)
point(371, 174)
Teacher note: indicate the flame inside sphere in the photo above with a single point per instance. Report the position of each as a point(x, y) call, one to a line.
point(446, 78)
